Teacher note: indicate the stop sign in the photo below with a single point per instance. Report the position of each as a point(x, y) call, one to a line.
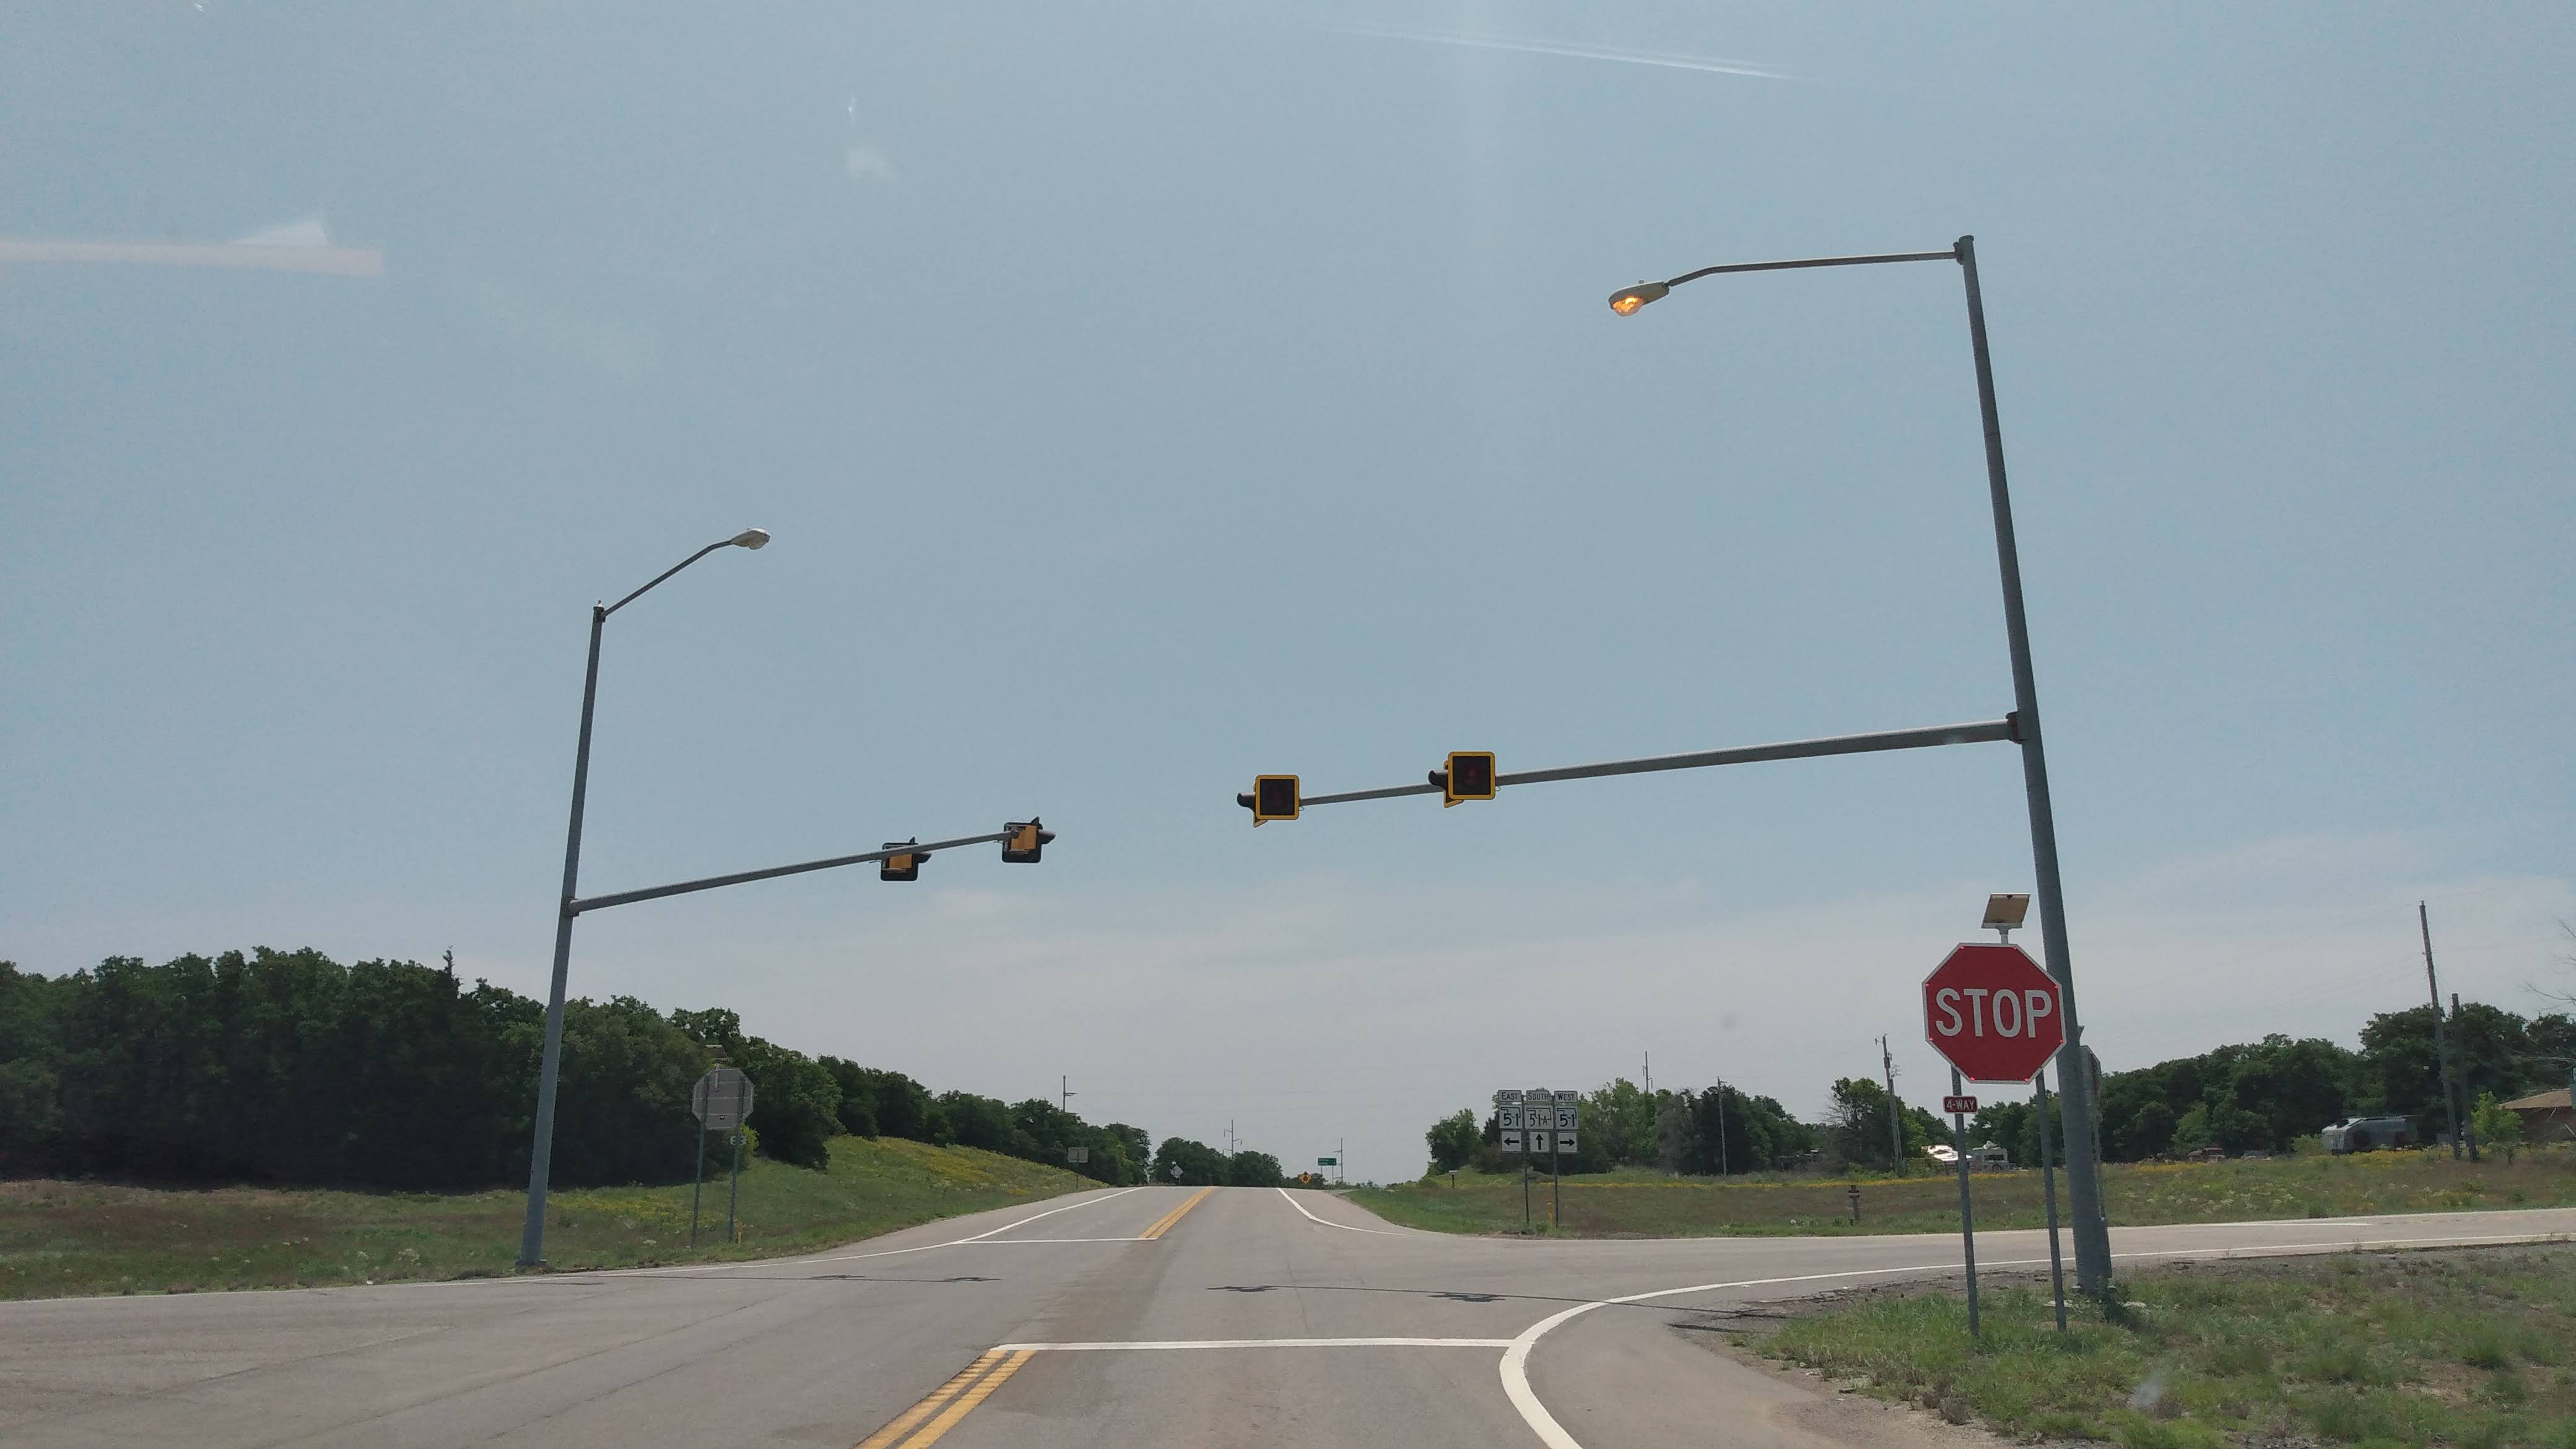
point(1993, 1013)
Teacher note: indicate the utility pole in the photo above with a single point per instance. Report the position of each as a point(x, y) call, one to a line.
point(1895, 1112)
point(1064, 1086)
point(1229, 1137)
point(1650, 1076)
point(2441, 1043)
point(2469, 1133)
point(1721, 1127)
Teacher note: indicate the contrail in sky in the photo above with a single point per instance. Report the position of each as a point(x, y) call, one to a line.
point(1669, 60)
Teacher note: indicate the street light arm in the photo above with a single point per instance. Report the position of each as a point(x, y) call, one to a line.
point(664, 574)
point(1946, 254)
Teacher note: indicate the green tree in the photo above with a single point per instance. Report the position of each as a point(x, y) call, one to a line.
point(2499, 1129)
point(1453, 1140)
point(1186, 1163)
point(983, 1122)
point(1248, 1168)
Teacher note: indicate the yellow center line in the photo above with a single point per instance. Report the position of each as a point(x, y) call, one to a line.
point(967, 1401)
point(1175, 1215)
point(904, 1421)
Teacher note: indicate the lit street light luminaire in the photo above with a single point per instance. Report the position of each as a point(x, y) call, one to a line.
point(2075, 1084)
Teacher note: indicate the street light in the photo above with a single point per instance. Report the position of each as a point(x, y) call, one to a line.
point(532, 1237)
point(2075, 1083)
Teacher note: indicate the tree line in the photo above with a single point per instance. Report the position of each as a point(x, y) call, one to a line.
point(1707, 1131)
point(288, 1067)
point(2259, 1097)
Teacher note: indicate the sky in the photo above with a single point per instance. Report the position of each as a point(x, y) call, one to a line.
point(1145, 397)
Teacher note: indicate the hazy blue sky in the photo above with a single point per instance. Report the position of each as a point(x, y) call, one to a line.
point(1143, 397)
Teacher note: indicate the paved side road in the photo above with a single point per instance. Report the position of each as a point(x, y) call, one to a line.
point(1145, 1316)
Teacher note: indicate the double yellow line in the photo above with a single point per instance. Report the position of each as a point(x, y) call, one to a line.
point(1163, 1224)
point(923, 1423)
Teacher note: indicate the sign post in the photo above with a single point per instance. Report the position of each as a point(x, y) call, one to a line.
point(2048, 1191)
point(1538, 1120)
point(1960, 1107)
point(720, 1101)
point(1995, 1016)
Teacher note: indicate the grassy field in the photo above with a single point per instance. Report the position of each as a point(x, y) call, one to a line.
point(1641, 1204)
point(2469, 1348)
point(59, 1239)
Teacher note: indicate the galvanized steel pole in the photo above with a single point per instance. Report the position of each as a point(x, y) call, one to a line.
point(532, 1234)
point(2074, 1083)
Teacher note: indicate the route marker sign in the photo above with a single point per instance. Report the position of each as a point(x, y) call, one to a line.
point(1077, 1156)
point(1993, 1013)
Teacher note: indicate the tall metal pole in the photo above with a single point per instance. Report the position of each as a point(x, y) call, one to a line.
point(2074, 1083)
point(2441, 1042)
point(532, 1236)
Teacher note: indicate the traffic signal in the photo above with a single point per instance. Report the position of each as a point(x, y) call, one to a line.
point(906, 866)
point(1022, 841)
point(1273, 797)
point(1470, 776)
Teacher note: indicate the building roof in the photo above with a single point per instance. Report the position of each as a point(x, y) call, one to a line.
point(2541, 1101)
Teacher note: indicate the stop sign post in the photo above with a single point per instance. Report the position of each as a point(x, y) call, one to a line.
point(1994, 1016)
point(1993, 1013)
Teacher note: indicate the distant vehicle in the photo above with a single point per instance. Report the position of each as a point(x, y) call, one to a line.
point(2211, 1153)
point(2255, 1155)
point(1942, 1152)
point(1989, 1157)
point(2368, 1134)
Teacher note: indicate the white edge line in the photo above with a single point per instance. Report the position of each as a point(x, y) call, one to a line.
point(1515, 1365)
point(1345, 1227)
point(898, 1252)
point(1254, 1343)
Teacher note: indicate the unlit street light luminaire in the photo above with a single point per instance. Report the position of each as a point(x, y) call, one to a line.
point(532, 1236)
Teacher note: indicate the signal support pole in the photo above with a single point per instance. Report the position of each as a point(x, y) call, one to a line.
point(2076, 1088)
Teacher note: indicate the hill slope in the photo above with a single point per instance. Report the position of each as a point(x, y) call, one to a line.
point(62, 1239)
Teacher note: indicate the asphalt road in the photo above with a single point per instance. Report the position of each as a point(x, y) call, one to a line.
point(1149, 1316)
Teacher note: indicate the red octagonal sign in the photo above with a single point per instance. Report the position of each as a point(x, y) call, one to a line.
point(1993, 1013)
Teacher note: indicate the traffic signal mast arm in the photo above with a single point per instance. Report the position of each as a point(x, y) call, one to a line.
point(654, 893)
point(1981, 732)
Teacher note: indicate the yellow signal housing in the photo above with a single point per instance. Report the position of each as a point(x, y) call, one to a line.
point(1470, 776)
point(1274, 797)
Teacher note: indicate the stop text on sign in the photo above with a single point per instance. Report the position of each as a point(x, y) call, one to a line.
point(2016, 1013)
point(1992, 1013)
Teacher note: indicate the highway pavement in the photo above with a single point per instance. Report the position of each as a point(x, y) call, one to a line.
point(1135, 1317)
